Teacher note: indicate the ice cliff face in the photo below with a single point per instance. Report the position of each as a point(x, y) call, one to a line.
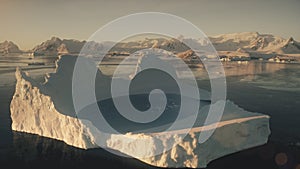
point(230, 136)
point(46, 110)
point(35, 112)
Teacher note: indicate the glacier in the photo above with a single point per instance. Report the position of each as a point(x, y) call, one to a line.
point(46, 109)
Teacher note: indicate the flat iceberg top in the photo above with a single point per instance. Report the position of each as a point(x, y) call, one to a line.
point(123, 125)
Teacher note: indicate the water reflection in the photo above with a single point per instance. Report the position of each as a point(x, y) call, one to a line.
point(30, 147)
point(33, 151)
point(247, 69)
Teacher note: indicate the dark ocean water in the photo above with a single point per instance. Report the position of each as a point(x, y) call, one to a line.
point(271, 89)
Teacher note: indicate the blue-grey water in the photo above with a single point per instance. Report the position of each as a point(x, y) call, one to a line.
point(268, 88)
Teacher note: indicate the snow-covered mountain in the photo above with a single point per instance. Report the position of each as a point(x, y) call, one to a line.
point(235, 44)
point(255, 42)
point(168, 44)
point(8, 47)
point(241, 42)
point(56, 46)
point(245, 44)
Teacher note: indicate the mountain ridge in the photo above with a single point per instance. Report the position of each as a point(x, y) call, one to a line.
point(7, 47)
point(246, 43)
point(254, 41)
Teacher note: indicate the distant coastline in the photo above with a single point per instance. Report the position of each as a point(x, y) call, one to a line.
point(240, 47)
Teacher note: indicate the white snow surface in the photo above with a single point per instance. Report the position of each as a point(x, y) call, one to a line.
point(43, 109)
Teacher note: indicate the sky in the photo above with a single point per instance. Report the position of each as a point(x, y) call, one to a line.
point(30, 22)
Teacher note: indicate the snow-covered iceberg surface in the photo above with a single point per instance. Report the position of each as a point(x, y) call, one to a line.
point(46, 109)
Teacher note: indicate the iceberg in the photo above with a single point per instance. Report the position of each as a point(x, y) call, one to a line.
point(46, 109)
